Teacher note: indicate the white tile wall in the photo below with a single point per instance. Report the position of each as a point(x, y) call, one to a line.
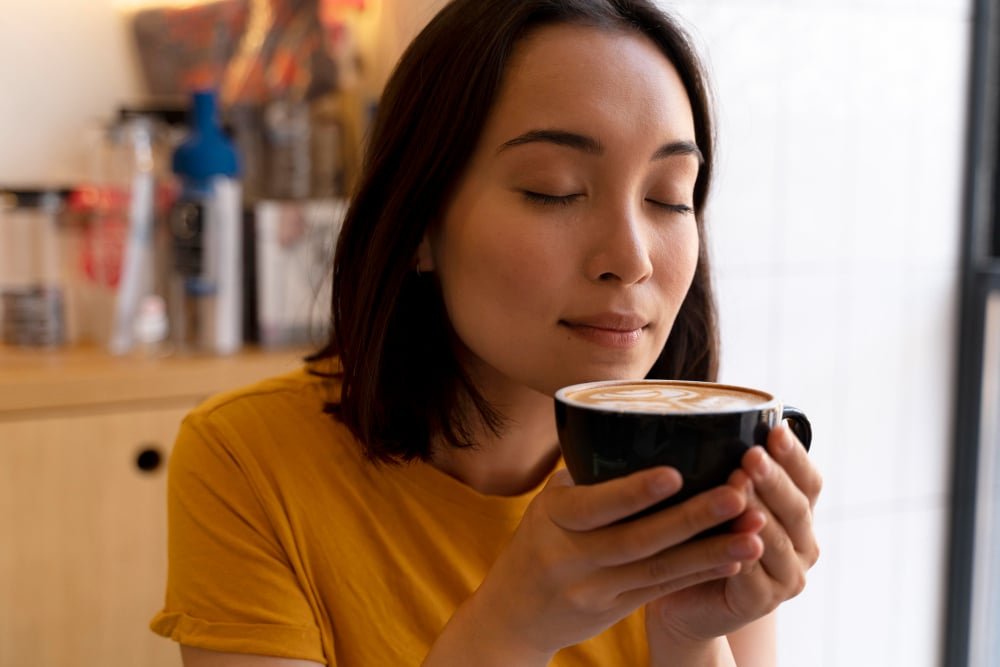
point(872, 443)
point(809, 330)
point(936, 193)
point(806, 620)
point(930, 313)
point(747, 306)
point(919, 602)
point(867, 588)
point(836, 221)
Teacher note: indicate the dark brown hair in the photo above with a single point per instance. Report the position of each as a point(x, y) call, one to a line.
point(402, 384)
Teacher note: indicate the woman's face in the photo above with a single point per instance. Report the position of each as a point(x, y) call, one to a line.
point(570, 242)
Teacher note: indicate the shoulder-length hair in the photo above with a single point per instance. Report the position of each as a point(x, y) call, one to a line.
point(402, 384)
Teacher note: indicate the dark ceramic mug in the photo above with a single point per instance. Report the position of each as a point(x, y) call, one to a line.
point(613, 428)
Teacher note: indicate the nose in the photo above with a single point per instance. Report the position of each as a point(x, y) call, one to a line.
point(620, 251)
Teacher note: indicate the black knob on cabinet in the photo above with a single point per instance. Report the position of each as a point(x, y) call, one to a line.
point(149, 458)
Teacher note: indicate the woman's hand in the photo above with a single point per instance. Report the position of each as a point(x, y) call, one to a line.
point(571, 570)
point(785, 488)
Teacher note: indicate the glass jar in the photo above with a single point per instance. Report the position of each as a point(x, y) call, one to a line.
point(32, 290)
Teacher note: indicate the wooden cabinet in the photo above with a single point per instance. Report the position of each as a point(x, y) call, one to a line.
point(84, 440)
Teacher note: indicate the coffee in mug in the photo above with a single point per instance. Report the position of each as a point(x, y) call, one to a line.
point(613, 428)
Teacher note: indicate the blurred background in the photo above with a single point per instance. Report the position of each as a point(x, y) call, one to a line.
point(851, 225)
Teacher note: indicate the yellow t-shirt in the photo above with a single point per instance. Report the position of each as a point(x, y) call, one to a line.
point(284, 540)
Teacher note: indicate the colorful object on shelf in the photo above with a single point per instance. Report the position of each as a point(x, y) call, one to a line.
point(206, 237)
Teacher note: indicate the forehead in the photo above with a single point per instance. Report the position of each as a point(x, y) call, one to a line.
point(584, 75)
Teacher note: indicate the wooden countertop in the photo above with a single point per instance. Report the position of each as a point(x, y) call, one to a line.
point(87, 377)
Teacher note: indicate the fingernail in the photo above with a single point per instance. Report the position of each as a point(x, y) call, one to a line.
point(741, 549)
point(664, 484)
point(763, 467)
point(784, 441)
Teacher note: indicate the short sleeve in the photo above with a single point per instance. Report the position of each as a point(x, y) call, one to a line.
point(230, 585)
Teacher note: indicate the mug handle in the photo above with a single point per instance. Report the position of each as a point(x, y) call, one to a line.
point(799, 424)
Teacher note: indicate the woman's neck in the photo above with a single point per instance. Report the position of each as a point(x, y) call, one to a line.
point(513, 462)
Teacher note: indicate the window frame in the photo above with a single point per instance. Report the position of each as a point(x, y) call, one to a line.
point(965, 645)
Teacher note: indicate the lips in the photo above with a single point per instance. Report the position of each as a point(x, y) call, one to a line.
point(615, 330)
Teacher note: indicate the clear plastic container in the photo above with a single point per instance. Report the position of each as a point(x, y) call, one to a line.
point(33, 310)
point(119, 220)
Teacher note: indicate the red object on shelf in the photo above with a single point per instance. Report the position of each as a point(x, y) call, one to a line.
point(104, 212)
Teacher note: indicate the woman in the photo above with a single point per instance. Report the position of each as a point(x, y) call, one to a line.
point(530, 216)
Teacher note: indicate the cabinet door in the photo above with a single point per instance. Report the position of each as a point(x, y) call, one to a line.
point(83, 539)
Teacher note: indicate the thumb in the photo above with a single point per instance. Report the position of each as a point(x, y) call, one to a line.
point(586, 507)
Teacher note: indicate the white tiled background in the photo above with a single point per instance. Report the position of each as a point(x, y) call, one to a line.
point(836, 224)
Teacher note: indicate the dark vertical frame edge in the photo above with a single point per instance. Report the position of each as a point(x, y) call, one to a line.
point(979, 275)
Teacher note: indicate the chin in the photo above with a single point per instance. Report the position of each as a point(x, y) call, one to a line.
point(608, 373)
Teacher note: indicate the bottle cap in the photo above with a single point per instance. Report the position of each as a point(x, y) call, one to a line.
point(206, 152)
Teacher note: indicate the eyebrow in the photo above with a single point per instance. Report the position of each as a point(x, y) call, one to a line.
point(559, 138)
point(592, 146)
point(679, 148)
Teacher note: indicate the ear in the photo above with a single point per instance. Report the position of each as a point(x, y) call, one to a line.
point(425, 258)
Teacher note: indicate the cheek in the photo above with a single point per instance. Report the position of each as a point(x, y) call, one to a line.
point(678, 261)
point(499, 272)
point(497, 277)
point(692, 249)
point(678, 254)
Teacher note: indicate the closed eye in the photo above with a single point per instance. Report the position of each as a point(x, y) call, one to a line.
point(549, 200)
point(682, 209)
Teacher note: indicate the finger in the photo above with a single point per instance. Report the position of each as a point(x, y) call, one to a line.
point(586, 507)
point(751, 521)
point(649, 535)
point(786, 449)
point(781, 569)
point(690, 559)
point(785, 504)
point(637, 598)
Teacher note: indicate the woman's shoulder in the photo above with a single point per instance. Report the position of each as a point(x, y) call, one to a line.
point(273, 417)
point(309, 389)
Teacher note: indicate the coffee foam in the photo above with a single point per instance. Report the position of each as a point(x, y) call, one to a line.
point(666, 398)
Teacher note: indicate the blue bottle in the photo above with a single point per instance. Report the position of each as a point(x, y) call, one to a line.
point(206, 237)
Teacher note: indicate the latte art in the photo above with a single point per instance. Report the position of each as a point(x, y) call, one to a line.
point(666, 398)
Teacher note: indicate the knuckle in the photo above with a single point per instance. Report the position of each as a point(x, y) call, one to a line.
point(579, 599)
point(797, 584)
point(781, 542)
point(812, 554)
point(815, 486)
point(547, 566)
point(801, 513)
